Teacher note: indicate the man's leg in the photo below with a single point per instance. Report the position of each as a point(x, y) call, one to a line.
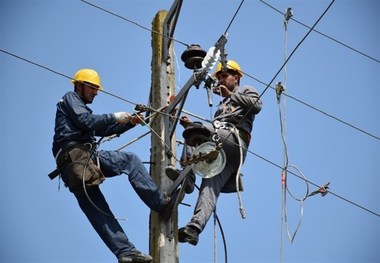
point(210, 190)
point(208, 195)
point(115, 163)
point(104, 223)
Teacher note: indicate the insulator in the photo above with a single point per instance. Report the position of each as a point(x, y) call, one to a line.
point(196, 134)
point(210, 59)
point(193, 56)
point(213, 164)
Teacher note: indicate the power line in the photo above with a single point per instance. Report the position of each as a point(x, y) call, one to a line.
point(323, 34)
point(257, 155)
point(133, 22)
point(268, 85)
point(298, 45)
point(310, 182)
point(34, 63)
point(233, 18)
point(316, 109)
point(286, 61)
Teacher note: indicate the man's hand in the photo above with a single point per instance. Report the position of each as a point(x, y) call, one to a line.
point(122, 117)
point(137, 118)
point(222, 90)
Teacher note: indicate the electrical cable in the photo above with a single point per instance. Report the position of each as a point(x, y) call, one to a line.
point(221, 231)
point(132, 141)
point(317, 109)
point(135, 23)
point(282, 117)
point(325, 35)
point(215, 239)
point(223, 238)
point(246, 74)
point(288, 58)
point(295, 49)
point(233, 18)
point(249, 151)
point(92, 150)
point(310, 182)
point(268, 85)
point(250, 76)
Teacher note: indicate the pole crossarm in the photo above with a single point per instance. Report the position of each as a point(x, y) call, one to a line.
point(179, 100)
point(169, 25)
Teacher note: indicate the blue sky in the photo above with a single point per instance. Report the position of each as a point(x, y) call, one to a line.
point(41, 224)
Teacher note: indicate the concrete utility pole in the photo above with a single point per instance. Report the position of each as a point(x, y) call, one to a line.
point(163, 243)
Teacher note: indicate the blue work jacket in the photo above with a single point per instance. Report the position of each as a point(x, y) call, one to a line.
point(75, 121)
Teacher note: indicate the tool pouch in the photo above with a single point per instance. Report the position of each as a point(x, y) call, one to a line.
point(73, 172)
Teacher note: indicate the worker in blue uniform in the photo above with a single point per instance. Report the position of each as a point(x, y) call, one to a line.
point(83, 168)
point(237, 110)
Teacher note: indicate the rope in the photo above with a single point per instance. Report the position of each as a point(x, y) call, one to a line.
point(241, 209)
point(92, 151)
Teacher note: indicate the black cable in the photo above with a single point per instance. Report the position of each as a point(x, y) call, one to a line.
point(323, 34)
point(34, 63)
point(310, 182)
point(221, 232)
point(283, 65)
point(267, 85)
point(130, 21)
point(316, 109)
point(223, 238)
point(298, 45)
point(56, 72)
point(233, 18)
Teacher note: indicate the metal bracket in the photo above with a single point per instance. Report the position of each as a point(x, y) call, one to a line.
point(179, 179)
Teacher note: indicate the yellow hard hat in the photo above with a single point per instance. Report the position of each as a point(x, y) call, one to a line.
point(232, 65)
point(87, 75)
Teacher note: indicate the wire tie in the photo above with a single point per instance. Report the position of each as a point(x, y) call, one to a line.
point(283, 178)
point(322, 190)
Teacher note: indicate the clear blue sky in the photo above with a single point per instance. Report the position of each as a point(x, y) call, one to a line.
point(41, 224)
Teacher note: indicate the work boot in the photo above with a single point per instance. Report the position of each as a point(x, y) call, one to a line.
point(189, 234)
point(135, 257)
point(173, 174)
point(167, 210)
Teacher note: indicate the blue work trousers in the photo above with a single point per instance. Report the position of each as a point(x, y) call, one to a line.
point(113, 163)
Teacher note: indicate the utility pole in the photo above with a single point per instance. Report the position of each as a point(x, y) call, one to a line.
point(163, 243)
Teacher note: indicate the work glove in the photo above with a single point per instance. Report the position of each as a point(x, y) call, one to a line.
point(137, 118)
point(122, 117)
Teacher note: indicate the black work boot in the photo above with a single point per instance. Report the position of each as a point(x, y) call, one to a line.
point(189, 234)
point(167, 210)
point(137, 257)
point(173, 174)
